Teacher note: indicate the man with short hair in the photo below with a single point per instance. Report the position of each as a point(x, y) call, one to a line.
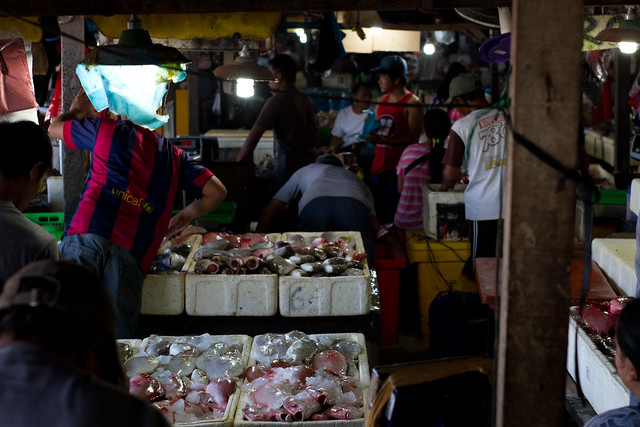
point(399, 113)
point(25, 162)
point(58, 359)
point(477, 150)
point(349, 122)
point(292, 116)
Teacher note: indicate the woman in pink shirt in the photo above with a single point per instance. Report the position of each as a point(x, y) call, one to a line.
point(420, 164)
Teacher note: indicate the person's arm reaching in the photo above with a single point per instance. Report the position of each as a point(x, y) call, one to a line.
point(450, 176)
point(213, 193)
point(80, 108)
point(251, 142)
point(273, 208)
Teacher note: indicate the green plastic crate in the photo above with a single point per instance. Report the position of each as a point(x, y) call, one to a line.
point(223, 214)
point(610, 197)
point(53, 222)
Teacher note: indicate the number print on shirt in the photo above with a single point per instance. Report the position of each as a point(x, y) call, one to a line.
point(387, 125)
point(492, 132)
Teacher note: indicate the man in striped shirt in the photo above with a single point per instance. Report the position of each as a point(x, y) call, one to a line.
point(125, 209)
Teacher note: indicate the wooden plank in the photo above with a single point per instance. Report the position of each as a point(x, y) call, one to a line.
point(599, 287)
point(74, 163)
point(99, 7)
point(539, 220)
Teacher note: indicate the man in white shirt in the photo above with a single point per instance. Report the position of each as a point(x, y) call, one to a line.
point(350, 120)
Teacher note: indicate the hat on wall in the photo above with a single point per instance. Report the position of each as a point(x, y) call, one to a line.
point(64, 286)
point(394, 64)
point(463, 84)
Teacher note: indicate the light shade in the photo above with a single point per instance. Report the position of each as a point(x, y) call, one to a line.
point(135, 48)
point(628, 30)
point(244, 67)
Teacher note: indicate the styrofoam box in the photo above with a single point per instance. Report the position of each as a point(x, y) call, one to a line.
point(227, 419)
point(229, 295)
point(432, 196)
point(634, 202)
point(163, 294)
point(363, 369)
point(616, 258)
point(599, 380)
point(325, 296)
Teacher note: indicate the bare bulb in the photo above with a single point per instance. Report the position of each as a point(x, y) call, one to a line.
point(244, 88)
point(627, 47)
point(429, 48)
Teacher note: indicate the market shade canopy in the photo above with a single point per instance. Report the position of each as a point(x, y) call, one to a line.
point(189, 26)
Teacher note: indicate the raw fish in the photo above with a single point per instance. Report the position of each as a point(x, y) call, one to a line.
point(182, 365)
point(146, 387)
point(124, 351)
point(182, 249)
point(331, 361)
point(220, 389)
point(140, 365)
point(224, 365)
point(301, 406)
point(158, 349)
point(312, 267)
point(183, 349)
point(280, 265)
point(298, 272)
point(174, 388)
point(344, 412)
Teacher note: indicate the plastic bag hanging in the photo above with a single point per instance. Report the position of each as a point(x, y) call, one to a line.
point(16, 86)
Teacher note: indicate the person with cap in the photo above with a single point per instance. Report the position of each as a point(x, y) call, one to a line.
point(399, 113)
point(419, 165)
point(58, 359)
point(292, 116)
point(25, 162)
point(126, 207)
point(627, 338)
point(477, 149)
point(332, 198)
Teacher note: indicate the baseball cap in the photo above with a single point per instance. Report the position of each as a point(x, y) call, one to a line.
point(65, 286)
point(463, 84)
point(393, 64)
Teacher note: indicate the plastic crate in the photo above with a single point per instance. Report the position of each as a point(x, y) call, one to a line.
point(53, 222)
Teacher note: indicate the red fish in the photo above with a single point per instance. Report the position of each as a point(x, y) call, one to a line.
point(331, 361)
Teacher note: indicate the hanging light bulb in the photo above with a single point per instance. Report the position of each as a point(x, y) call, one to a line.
point(244, 67)
point(626, 34)
point(628, 47)
point(244, 88)
point(301, 35)
point(429, 48)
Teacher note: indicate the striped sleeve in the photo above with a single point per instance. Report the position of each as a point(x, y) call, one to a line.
point(81, 134)
point(193, 175)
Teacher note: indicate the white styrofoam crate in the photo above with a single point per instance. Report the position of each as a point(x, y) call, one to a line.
point(227, 419)
point(431, 197)
point(616, 258)
point(365, 379)
point(608, 150)
point(229, 295)
point(163, 294)
point(326, 296)
point(634, 202)
point(599, 380)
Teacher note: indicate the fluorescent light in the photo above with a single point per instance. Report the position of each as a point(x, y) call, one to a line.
point(376, 31)
point(244, 88)
point(429, 48)
point(627, 47)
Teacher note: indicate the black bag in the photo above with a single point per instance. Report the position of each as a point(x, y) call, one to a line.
point(459, 325)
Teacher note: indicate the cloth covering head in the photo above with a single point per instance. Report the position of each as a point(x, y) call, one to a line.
point(463, 84)
point(628, 332)
point(63, 286)
point(394, 65)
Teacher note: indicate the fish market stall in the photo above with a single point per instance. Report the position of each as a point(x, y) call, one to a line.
point(191, 380)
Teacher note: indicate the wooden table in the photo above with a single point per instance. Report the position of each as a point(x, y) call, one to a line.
point(599, 288)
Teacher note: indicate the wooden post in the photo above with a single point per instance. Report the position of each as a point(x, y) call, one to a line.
point(73, 164)
point(622, 144)
point(539, 220)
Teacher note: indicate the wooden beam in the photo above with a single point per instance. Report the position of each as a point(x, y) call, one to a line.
point(99, 7)
point(622, 147)
point(73, 161)
point(539, 219)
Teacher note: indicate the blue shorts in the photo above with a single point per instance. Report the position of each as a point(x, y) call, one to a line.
point(117, 268)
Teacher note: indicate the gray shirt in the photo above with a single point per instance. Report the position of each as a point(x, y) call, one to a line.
point(22, 241)
point(39, 389)
point(323, 180)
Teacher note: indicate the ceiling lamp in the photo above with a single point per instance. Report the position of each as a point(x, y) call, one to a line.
point(626, 34)
point(244, 67)
point(131, 78)
point(135, 48)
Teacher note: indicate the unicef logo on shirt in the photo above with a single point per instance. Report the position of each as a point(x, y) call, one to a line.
point(388, 125)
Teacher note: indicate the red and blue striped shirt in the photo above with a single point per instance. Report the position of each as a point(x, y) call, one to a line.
point(132, 185)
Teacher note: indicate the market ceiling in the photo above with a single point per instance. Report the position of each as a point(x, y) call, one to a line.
point(101, 7)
